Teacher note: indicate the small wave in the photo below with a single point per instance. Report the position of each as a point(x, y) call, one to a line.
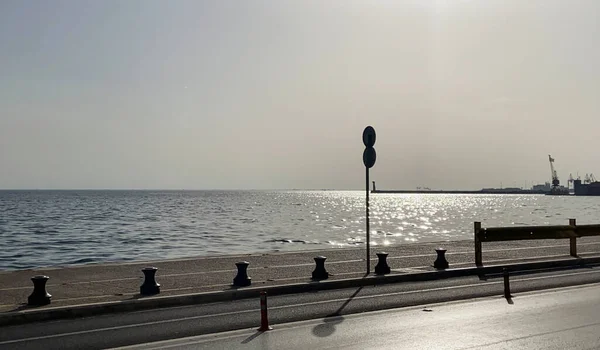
point(153, 239)
point(81, 261)
point(71, 242)
point(246, 220)
point(39, 232)
point(286, 241)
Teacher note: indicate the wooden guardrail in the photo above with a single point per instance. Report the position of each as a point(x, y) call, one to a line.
point(497, 234)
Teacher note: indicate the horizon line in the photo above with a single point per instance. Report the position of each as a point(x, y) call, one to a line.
point(177, 189)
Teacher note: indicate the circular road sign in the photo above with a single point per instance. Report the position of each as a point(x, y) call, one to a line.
point(369, 156)
point(369, 136)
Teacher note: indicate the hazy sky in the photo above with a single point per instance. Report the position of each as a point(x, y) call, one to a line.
point(275, 94)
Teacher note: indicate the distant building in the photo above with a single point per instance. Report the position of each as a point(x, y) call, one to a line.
point(542, 188)
point(591, 189)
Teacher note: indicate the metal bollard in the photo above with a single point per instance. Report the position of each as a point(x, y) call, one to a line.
point(39, 296)
point(440, 263)
point(264, 318)
point(382, 266)
point(149, 287)
point(506, 284)
point(242, 279)
point(320, 273)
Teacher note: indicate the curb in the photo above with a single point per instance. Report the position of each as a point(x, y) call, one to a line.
point(86, 310)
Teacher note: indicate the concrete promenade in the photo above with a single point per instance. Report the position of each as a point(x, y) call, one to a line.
point(119, 283)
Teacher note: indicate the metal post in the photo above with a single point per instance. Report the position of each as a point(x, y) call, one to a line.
point(368, 229)
point(369, 156)
point(573, 240)
point(264, 319)
point(478, 255)
point(506, 284)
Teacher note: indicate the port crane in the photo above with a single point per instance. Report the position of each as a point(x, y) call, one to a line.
point(555, 181)
point(589, 178)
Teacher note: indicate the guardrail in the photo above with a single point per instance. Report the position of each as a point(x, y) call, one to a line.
point(498, 234)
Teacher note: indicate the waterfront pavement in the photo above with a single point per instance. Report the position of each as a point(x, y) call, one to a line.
point(557, 319)
point(107, 285)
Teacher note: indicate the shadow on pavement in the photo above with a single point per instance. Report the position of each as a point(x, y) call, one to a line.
point(252, 337)
point(327, 328)
point(338, 312)
point(23, 307)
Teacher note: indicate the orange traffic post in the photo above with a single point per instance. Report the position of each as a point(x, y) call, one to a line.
point(264, 318)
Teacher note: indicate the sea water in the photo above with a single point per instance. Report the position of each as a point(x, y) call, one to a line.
point(57, 228)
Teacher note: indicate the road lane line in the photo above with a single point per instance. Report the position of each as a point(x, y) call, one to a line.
point(125, 327)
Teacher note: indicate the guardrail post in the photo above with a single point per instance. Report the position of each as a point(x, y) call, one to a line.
point(478, 255)
point(440, 263)
point(573, 240)
point(39, 296)
point(320, 273)
point(242, 279)
point(149, 287)
point(382, 266)
point(506, 284)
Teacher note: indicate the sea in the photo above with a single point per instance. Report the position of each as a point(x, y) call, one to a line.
point(62, 228)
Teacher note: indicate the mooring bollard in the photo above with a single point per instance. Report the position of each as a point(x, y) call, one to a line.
point(440, 263)
point(149, 287)
point(382, 266)
point(39, 296)
point(320, 273)
point(506, 284)
point(242, 279)
point(264, 318)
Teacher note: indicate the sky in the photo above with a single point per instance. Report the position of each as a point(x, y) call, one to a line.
point(222, 94)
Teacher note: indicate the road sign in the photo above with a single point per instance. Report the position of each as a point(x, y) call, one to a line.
point(369, 136)
point(369, 157)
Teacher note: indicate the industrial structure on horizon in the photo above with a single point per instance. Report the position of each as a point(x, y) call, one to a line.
point(589, 186)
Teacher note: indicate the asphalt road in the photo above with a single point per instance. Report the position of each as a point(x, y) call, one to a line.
point(154, 325)
point(565, 318)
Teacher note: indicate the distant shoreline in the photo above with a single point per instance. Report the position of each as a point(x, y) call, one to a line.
point(494, 191)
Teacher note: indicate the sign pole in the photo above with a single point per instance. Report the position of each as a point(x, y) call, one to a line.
point(369, 156)
point(368, 228)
